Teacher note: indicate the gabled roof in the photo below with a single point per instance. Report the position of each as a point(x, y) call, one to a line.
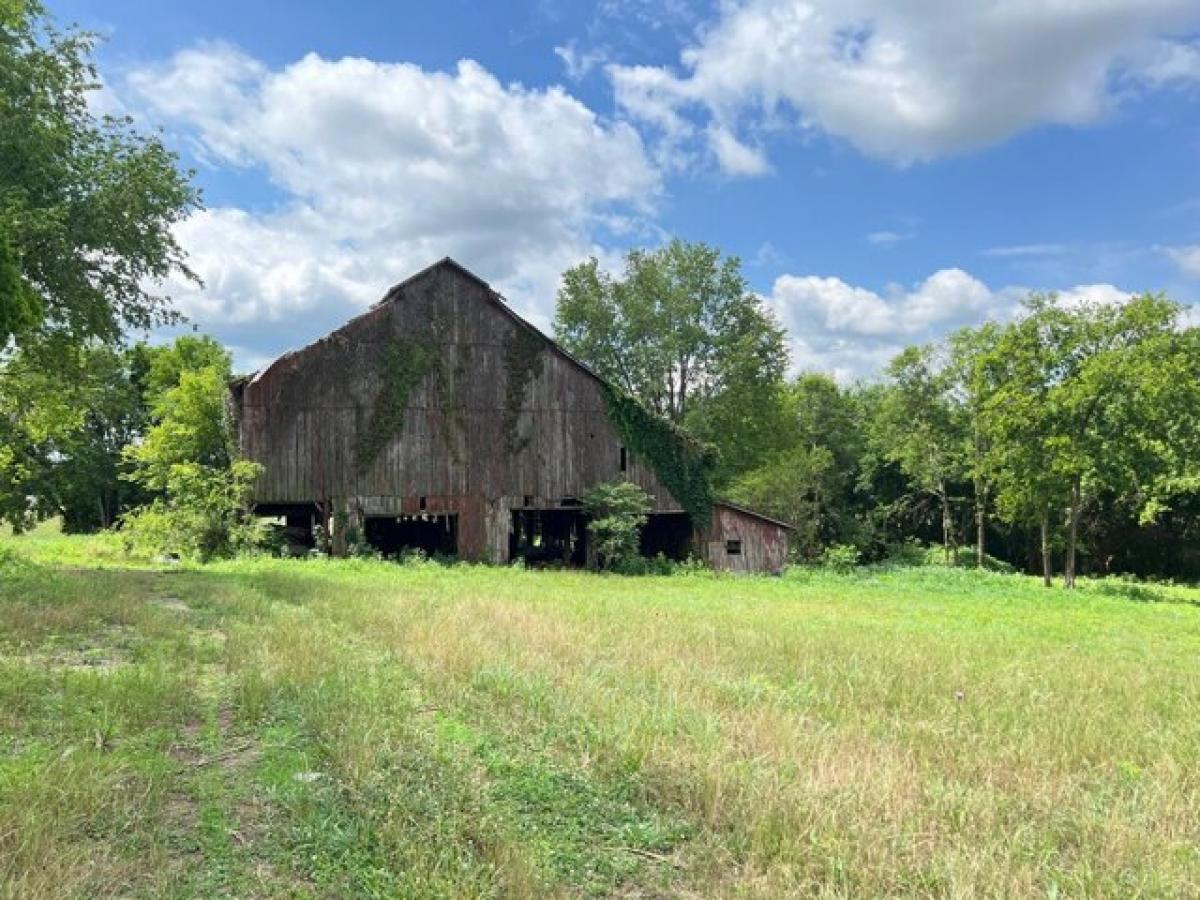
point(396, 291)
point(745, 510)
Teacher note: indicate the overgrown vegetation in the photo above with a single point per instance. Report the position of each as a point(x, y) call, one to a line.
point(403, 364)
point(617, 513)
point(356, 728)
point(682, 463)
point(523, 362)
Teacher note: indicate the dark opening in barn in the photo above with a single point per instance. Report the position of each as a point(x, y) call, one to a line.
point(669, 534)
point(549, 537)
point(392, 535)
point(298, 526)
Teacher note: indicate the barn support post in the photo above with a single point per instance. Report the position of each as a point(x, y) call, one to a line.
point(340, 527)
point(497, 529)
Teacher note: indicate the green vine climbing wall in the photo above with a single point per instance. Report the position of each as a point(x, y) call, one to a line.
point(522, 364)
point(403, 365)
point(681, 462)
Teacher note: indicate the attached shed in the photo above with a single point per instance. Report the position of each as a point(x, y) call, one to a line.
point(441, 419)
point(741, 540)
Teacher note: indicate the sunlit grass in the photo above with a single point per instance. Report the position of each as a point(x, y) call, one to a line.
point(357, 728)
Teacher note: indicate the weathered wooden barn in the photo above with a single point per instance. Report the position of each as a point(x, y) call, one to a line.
point(441, 419)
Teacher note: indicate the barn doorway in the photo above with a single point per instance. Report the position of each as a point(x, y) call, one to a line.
point(549, 537)
point(667, 533)
point(434, 535)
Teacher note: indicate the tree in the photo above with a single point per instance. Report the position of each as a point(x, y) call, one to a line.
point(811, 483)
point(1086, 403)
point(87, 205)
point(681, 332)
point(189, 428)
point(919, 427)
point(187, 353)
point(616, 514)
point(62, 429)
point(793, 486)
point(972, 384)
point(185, 459)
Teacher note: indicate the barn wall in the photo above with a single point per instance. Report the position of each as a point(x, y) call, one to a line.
point(301, 418)
point(764, 543)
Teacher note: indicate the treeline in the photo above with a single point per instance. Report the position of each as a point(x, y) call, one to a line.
point(1063, 440)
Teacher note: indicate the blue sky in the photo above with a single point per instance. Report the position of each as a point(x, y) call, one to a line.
point(885, 175)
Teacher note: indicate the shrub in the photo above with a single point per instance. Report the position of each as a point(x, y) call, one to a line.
point(617, 511)
point(841, 558)
point(202, 515)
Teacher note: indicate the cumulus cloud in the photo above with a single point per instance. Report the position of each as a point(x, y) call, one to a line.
point(852, 332)
point(910, 82)
point(381, 168)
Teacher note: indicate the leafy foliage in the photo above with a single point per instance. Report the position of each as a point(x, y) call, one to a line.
point(87, 206)
point(522, 365)
point(1090, 399)
point(403, 365)
point(682, 333)
point(201, 514)
point(63, 425)
point(681, 462)
point(616, 512)
point(190, 428)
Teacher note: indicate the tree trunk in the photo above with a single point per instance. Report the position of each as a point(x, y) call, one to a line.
point(947, 522)
point(1047, 563)
point(980, 525)
point(1072, 533)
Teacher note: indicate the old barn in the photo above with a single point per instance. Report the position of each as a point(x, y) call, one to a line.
point(442, 420)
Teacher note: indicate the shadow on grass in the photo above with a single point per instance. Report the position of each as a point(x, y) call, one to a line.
point(1141, 592)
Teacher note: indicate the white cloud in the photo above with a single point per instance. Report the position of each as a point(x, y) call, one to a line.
point(908, 82)
point(381, 169)
point(887, 238)
point(1026, 250)
point(734, 157)
point(1187, 258)
point(853, 331)
point(579, 63)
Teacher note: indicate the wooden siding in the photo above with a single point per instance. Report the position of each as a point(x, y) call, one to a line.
point(302, 416)
point(764, 543)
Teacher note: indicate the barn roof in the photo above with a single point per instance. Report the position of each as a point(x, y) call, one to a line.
point(396, 291)
point(747, 511)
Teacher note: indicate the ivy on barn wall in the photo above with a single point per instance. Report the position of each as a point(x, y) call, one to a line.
point(522, 365)
point(681, 462)
point(403, 365)
point(450, 381)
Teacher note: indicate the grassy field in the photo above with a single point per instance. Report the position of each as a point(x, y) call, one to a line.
point(282, 728)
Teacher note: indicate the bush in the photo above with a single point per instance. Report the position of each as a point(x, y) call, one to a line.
point(840, 558)
point(202, 516)
point(907, 554)
point(617, 511)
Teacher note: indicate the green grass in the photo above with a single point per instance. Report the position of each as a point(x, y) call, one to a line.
point(313, 728)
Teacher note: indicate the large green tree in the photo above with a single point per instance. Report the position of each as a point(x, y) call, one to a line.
point(1090, 399)
point(681, 332)
point(971, 382)
point(62, 430)
point(919, 426)
point(87, 203)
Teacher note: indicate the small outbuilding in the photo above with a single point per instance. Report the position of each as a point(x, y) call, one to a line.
point(443, 421)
